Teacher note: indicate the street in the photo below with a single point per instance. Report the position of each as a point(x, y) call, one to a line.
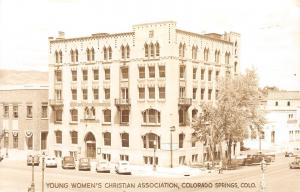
point(15, 176)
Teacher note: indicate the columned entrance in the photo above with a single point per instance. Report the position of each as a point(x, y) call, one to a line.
point(90, 145)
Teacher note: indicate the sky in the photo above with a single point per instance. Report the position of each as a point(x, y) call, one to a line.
point(270, 29)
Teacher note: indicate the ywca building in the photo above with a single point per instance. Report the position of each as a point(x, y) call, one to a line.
point(121, 96)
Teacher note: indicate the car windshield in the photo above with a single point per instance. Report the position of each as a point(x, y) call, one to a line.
point(68, 158)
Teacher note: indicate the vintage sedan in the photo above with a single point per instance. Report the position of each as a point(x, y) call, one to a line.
point(51, 161)
point(103, 166)
point(295, 164)
point(84, 164)
point(256, 159)
point(68, 162)
point(123, 168)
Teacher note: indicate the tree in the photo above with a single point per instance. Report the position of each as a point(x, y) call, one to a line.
point(237, 106)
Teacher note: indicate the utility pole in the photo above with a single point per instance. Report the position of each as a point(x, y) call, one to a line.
point(172, 129)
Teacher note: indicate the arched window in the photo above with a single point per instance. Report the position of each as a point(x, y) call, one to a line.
point(74, 115)
point(181, 117)
point(86, 113)
point(58, 136)
point(235, 66)
point(123, 52)
point(125, 139)
point(217, 56)
point(60, 56)
point(107, 138)
point(56, 57)
point(92, 54)
point(194, 52)
point(151, 116)
point(104, 53)
point(180, 50)
point(107, 115)
point(109, 53)
point(151, 50)
point(206, 54)
point(146, 50)
point(151, 140)
point(157, 51)
point(227, 58)
point(181, 139)
point(88, 58)
point(183, 50)
point(127, 51)
point(74, 137)
point(76, 55)
point(93, 112)
point(72, 56)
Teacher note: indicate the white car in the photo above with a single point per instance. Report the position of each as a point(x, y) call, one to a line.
point(51, 162)
point(123, 168)
point(103, 166)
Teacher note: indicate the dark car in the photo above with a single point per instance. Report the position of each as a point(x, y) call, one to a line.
point(289, 154)
point(33, 159)
point(256, 159)
point(68, 162)
point(295, 164)
point(84, 164)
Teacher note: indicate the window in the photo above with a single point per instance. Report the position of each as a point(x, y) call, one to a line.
point(58, 75)
point(182, 160)
point(125, 139)
point(96, 94)
point(202, 94)
point(74, 137)
point(151, 140)
point(195, 158)
point(29, 142)
point(44, 140)
point(5, 111)
point(217, 94)
point(122, 52)
point(181, 114)
point(124, 72)
point(15, 111)
point(162, 72)
point(276, 103)
point(84, 94)
point(15, 141)
point(194, 93)
point(58, 153)
point(74, 55)
point(74, 75)
point(217, 75)
point(151, 72)
point(74, 94)
point(162, 92)
point(151, 34)
point(107, 138)
point(146, 50)
point(104, 53)
point(106, 156)
point(44, 111)
point(142, 93)
point(58, 94)
point(151, 92)
point(58, 116)
point(182, 72)
point(217, 56)
point(58, 56)
point(109, 53)
point(181, 139)
point(124, 157)
point(96, 74)
point(58, 136)
point(206, 54)
point(90, 53)
point(194, 113)
point(194, 73)
point(85, 75)
point(181, 50)
point(107, 94)
point(235, 66)
point(194, 52)
point(157, 51)
point(127, 51)
point(107, 74)
point(141, 72)
point(182, 92)
point(151, 50)
point(29, 112)
point(124, 116)
point(74, 115)
point(209, 75)
point(107, 115)
point(194, 139)
point(202, 74)
point(209, 94)
point(227, 58)
point(89, 113)
point(288, 103)
point(151, 116)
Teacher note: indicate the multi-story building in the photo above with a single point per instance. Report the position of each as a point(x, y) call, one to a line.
point(122, 96)
point(282, 128)
point(23, 118)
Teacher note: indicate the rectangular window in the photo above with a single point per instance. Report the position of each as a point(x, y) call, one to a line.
point(195, 158)
point(84, 75)
point(96, 74)
point(74, 137)
point(217, 75)
point(15, 111)
point(182, 72)
point(74, 75)
point(44, 140)
point(74, 94)
point(162, 72)
point(209, 94)
point(5, 111)
point(58, 94)
point(181, 160)
point(124, 73)
point(202, 74)
point(15, 141)
point(58, 115)
point(151, 72)
point(209, 75)
point(141, 72)
point(151, 92)
point(29, 112)
point(58, 75)
point(84, 94)
point(194, 73)
point(124, 157)
point(194, 93)
point(106, 156)
point(44, 111)
point(182, 92)
point(96, 94)
point(107, 74)
point(6, 142)
point(107, 93)
point(58, 135)
point(202, 94)
point(58, 153)
point(124, 116)
point(142, 93)
point(162, 92)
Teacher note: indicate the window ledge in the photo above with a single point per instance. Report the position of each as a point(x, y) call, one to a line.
point(44, 118)
point(73, 123)
point(29, 118)
point(151, 124)
point(124, 124)
point(106, 123)
point(57, 122)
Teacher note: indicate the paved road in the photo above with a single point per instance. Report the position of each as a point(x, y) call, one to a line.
point(15, 176)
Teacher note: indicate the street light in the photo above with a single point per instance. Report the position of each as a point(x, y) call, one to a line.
point(172, 129)
point(31, 188)
point(154, 157)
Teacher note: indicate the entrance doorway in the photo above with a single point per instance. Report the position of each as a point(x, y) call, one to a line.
point(90, 145)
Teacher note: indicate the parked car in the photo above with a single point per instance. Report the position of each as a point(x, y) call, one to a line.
point(51, 161)
point(123, 168)
point(68, 162)
point(256, 159)
point(84, 164)
point(35, 161)
point(289, 154)
point(295, 164)
point(103, 166)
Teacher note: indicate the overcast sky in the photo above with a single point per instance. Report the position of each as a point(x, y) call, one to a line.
point(270, 29)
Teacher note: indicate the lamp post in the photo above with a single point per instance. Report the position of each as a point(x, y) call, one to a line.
point(154, 157)
point(172, 129)
point(31, 189)
point(6, 138)
point(263, 168)
point(43, 171)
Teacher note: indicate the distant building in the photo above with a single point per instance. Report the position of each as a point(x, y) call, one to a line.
point(282, 130)
point(118, 96)
point(23, 117)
